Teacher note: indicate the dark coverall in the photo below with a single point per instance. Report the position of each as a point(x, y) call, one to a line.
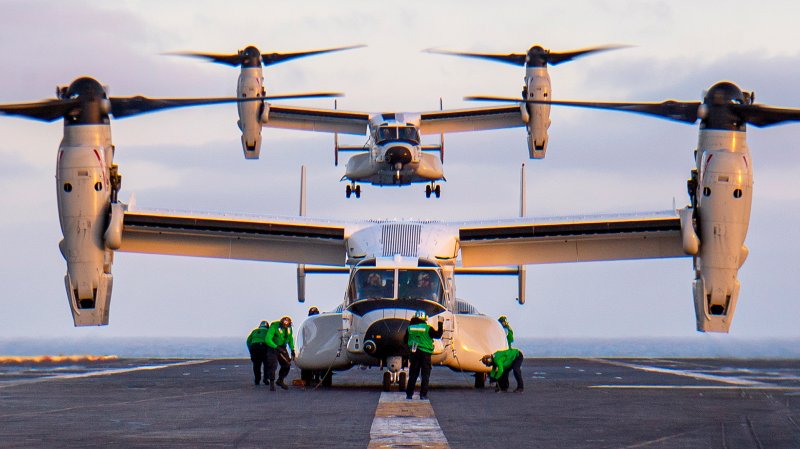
point(277, 339)
point(503, 362)
point(421, 334)
point(258, 352)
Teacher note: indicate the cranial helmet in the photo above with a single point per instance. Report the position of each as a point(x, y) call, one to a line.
point(313, 311)
point(264, 324)
point(286, 320)
point(502, 319)
point(421, 315)
point(487, 360)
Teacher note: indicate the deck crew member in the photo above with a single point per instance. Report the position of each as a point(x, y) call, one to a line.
point(278, 337)
point(419, 337)
point(256, 345)
point(507, 328)
point(502, 363)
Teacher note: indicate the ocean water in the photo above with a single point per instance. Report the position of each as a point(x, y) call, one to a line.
point(716, 346)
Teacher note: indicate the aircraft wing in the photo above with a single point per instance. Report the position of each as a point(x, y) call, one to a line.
point(569, 239)
point(275, 239)
point(476, 119)
point(320, 120)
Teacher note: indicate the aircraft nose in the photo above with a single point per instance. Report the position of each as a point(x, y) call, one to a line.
point(395, 155)
point(387, 338)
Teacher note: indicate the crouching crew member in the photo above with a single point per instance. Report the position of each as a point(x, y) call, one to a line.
point(502, 362)
point(419, 337)
point(256, 345)
point(279, 336)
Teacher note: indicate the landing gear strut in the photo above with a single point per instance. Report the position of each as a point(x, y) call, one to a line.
point(351, 189)
point(434, 188)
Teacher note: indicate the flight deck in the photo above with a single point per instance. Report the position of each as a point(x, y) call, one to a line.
point(567, 403)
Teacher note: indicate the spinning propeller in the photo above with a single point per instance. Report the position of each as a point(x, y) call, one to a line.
point(252, 57)
point(535, 57)
point(85, 102)
point(724, 107)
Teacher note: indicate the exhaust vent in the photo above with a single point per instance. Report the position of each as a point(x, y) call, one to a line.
point(402, 239)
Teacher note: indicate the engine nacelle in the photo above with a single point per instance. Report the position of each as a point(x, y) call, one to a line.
point(724, 196)
point(90, 226)
point(250, 85)
point(537, 87)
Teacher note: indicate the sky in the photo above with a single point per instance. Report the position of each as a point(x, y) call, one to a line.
point(597, 161)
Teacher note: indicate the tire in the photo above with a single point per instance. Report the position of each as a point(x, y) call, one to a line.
point(387, 381)
point(428, 191)
point(307, 376)
point(480, 380)
point(327, 379)
point(348, 191)
point(401, 381)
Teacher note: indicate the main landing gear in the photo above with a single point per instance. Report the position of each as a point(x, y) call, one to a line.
point(391, 378)
point(434, 188)
point(351, 189)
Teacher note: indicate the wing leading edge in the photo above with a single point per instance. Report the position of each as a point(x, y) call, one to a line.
point(476, 119)
point(246, 238)
point(525, 241)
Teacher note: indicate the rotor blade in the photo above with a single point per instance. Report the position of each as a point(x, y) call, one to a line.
point(277, 58)
point(558, 58)
point(233, 60)
point(130, 106)
point(511, 58)
point(46, 111)
point(304, 95)
point(762, 116)
point(673, 110)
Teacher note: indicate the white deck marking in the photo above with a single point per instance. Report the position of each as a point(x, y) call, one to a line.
point(400, 422)
point(698, 387)
point(105, 372)
point(684, 373)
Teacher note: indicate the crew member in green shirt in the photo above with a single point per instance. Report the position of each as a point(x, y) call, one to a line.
point(502, 362)
point(278, 337)
point(258, 350)
point(419, 337)
point(509, 332)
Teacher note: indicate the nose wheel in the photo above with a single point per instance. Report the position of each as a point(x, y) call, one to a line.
point(433, 188)
point(394, 378)
point(351, 189)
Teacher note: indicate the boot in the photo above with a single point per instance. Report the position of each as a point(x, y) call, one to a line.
point(272, 385)
point(519, 390)
point(281, 384)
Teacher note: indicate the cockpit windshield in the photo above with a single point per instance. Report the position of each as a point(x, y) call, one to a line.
point(372, 284)
point(404, 133)
point(414, 283)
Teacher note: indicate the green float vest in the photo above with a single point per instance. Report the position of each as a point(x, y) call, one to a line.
point(418, 334)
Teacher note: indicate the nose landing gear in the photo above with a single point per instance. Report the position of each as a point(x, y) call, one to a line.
point(351, 189)
point(434, 188)
point(391, 378)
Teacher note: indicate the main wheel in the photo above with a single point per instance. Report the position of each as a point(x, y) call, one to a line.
point(327, 379)
point(401, 381)
point(387, 381)
point(480, 380)
point(358, 191)
point(348, 191)
point(307, 376)
point(428, 191)
point(438, 190)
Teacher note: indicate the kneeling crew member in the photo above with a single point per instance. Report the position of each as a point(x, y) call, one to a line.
point(419, 337)
point(502, 362)
point(278, 337)
point(258, 350)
